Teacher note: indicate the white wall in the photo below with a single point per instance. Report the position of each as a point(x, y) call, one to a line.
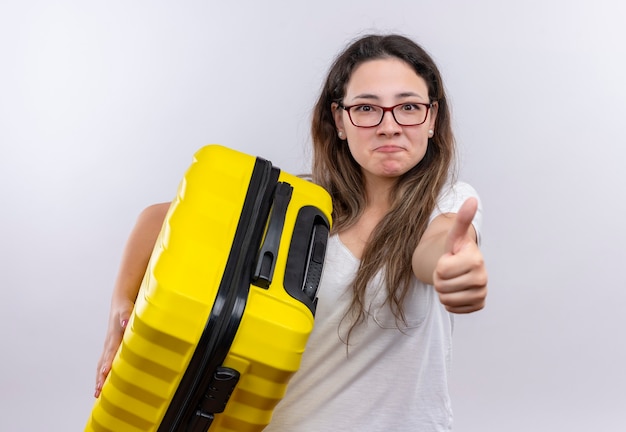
point(102, 105)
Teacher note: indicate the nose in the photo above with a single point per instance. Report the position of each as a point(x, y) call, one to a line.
point(389, 125)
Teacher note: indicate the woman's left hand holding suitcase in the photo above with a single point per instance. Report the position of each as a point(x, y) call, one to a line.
point(132, 269)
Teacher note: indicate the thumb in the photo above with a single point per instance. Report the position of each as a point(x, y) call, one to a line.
point(124, 318)
point(458, 233)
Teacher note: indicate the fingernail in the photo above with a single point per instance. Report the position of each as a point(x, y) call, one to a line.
point(103, 371)
point(124, 323)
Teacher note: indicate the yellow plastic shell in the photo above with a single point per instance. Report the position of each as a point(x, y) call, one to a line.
point(177, 295)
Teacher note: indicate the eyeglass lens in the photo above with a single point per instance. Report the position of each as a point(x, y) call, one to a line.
point(404, 114)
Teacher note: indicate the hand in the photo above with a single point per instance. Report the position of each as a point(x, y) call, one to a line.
point(460, 276)
point(120, 314)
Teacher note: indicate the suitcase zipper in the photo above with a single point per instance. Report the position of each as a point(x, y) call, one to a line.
point(206, 386)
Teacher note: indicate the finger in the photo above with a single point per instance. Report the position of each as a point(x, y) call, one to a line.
point(466, 309)
point(465, 301)
point(101, 376)
point(466, 267)
point(463, 283)
point(104, 368)
point(105, 363)
point(458, 233)
point(99, 381)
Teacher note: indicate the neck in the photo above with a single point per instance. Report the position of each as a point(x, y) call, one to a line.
point(378, 192)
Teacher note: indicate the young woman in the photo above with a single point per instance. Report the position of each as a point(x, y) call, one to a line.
point(402, 258)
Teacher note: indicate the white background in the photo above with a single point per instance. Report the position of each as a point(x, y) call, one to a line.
point(102, 105)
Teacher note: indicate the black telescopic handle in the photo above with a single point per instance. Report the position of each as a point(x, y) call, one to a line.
point(268, 253)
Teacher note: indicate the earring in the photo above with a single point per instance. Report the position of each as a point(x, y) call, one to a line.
point(431, 133)
point(340, 134)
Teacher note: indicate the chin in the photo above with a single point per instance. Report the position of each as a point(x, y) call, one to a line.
point(394, 171)
point(391, 174)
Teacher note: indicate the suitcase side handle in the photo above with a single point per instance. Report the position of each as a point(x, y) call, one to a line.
point(307, 251)
point(268, 253)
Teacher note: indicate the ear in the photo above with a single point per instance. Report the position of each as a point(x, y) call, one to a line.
point(338, 117)
point(433, 115)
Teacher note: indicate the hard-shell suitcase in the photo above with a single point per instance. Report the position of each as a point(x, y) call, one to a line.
point(227, 302)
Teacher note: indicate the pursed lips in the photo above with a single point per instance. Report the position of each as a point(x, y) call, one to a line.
point(389, 148)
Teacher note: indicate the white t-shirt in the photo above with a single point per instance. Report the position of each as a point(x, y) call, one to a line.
point(389, 379)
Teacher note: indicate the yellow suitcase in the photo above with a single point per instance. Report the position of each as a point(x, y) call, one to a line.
point(227, 303)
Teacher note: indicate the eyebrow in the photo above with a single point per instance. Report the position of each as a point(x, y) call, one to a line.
point(371, 96)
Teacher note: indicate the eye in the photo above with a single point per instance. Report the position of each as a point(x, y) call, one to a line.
point(363, 108)
point(412, 107)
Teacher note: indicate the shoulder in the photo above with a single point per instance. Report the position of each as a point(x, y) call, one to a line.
point(151, 218)
point(452, 196)
point(455, 194)
point(155, 211)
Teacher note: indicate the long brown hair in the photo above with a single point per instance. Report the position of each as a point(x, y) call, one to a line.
point(415, 193)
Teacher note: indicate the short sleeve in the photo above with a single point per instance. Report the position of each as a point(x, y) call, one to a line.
point(452, 197)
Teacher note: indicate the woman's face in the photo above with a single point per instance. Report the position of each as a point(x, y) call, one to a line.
point(387, 150)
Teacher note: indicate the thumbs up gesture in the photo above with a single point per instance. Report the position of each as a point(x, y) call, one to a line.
point(460, 276)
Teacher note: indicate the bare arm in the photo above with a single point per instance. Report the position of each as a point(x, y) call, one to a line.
point(132, 269)
point(448, 258)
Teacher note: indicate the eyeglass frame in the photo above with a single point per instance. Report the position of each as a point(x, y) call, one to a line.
point(387, 109)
